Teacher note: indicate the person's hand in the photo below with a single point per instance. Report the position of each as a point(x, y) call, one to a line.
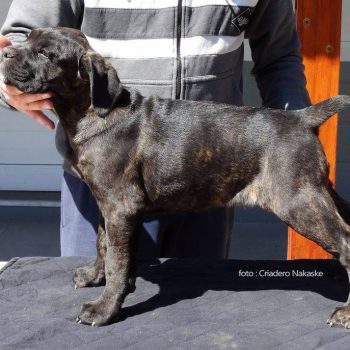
point(29, 104)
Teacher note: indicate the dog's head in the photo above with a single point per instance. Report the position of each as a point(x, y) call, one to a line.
point(60, 60)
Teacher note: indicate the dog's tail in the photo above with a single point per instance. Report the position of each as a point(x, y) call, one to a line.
point(317, 114)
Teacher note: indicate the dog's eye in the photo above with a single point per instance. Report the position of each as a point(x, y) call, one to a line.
point(43, 53)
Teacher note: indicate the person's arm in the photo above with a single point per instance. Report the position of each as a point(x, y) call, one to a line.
point(278, 67)
point(22, 17)
point(25, 15)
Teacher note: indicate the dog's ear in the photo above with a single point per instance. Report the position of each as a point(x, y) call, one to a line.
point(105, 85)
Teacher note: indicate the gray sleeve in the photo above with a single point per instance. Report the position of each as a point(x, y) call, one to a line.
point(24, 15)
point(278, 66)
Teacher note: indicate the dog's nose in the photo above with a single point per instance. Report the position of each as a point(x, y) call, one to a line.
point(9, 52)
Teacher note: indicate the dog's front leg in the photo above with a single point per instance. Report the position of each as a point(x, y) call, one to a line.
point(119, 269)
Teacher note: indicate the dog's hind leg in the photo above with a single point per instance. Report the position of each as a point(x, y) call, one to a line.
point(314, 214)
point(340, 315)
point(94, 275)
point(342, 205)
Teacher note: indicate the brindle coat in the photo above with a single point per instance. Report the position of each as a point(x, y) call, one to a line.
point(144, 155)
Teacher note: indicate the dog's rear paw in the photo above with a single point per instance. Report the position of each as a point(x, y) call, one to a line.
point(89, 276)
point(340, 317)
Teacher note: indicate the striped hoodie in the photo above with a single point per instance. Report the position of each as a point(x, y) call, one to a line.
point(183, 49)
point(188, 49)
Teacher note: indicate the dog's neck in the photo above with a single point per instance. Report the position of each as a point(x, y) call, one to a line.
point(71, 105)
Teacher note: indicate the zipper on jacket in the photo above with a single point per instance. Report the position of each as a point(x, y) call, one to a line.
point(178, 51)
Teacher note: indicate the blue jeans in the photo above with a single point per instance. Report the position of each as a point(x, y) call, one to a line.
point(205, 234)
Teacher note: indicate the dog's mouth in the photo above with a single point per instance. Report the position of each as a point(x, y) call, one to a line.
point(6, 75)
point(15, 76)
point(14, 67)
point(3, 78)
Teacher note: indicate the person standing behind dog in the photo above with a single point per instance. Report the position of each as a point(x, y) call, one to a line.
point(190, 49)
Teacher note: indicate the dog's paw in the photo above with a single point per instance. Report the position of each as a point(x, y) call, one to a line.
point(88, 276)
point(97, 313)
point(340, 317)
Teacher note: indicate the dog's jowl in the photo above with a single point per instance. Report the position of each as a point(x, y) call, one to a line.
point(144, 155)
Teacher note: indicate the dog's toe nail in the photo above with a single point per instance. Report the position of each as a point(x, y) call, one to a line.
point(78, 320)
point(93, 324)
point(75, 286)
point(329, 322)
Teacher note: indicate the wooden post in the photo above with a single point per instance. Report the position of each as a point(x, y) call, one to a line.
point(319, 28)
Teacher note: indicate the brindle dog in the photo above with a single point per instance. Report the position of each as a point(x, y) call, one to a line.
point(144, 155)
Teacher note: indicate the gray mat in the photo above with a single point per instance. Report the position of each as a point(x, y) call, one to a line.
point(178, 304)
